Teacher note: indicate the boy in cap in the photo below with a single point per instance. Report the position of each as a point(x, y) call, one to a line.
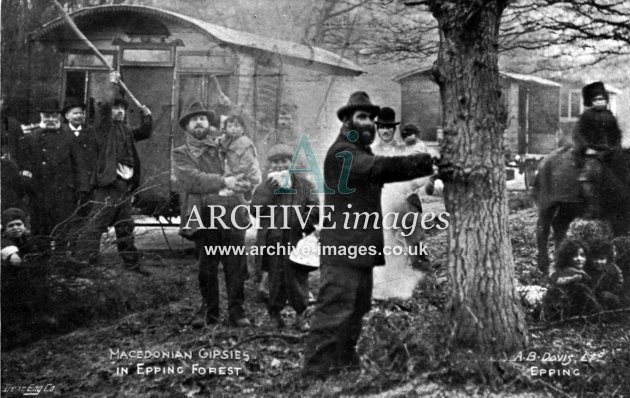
point(287, 281)
point(16, 240)
point(24, 281)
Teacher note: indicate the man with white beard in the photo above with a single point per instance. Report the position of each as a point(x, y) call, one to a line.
point(50, 164)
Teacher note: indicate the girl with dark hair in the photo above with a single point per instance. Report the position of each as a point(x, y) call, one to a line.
point(570, 293)
point(240, 154)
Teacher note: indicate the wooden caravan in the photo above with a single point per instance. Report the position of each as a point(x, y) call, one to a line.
point(532, 104)
point(533, 110)
point(169, 60)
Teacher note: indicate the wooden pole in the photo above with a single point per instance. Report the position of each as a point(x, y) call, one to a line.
point(95, 50)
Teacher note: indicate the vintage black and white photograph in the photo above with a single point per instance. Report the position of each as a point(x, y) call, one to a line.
point(261, 198)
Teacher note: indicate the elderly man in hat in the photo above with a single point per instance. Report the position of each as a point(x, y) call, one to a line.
point(198, 168)
point(50, 164)
point(84, 139)
point(345, 290)
point(116, 175)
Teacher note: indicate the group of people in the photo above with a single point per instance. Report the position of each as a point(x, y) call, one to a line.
point(218, 169)
point(588, 278)
point(588, 275)
point(67, 183)
point(85, 172)
point(79, 179)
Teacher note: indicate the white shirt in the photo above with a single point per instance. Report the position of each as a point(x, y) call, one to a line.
point(75, 130)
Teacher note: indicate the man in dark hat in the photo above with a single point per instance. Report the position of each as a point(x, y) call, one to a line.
point(84, 139)
point(596, 132)
point(385, 143)
point(345, 290)
point(50, 164)
point(115, 177)
point(198, 168)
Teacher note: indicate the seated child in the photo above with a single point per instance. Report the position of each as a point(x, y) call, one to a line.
point(569, 293)
point(287, 282)
point(24, 281)
point(16, 239)
point(606, 278)
point(240, 154)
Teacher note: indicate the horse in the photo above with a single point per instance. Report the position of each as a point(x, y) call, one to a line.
point(557, 192)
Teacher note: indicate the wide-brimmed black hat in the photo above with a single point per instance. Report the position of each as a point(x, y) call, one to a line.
point(359, 100)
point(196, 108)
point(590, 91)
point(48, 105)
point(387, 117)
point(72, 102)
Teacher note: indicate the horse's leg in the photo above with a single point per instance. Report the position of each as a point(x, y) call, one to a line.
point(543, 226)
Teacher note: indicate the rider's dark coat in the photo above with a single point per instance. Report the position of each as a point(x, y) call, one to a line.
point(597, 129)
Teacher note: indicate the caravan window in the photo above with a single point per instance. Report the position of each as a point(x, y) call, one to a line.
point(87, 61)
point(571, 104)
point(86, 78)
point(147, 56)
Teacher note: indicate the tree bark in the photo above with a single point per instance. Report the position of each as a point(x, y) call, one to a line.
point(484, 311)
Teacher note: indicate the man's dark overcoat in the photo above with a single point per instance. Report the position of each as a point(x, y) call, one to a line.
point(52, 159)
point(85, 146)
point(105, 173)
point(366, 175)
point(345, 289)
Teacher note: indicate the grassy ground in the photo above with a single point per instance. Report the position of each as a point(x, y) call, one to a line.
point(403, 348)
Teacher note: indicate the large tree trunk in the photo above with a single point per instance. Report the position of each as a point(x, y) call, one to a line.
point(485, 313)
